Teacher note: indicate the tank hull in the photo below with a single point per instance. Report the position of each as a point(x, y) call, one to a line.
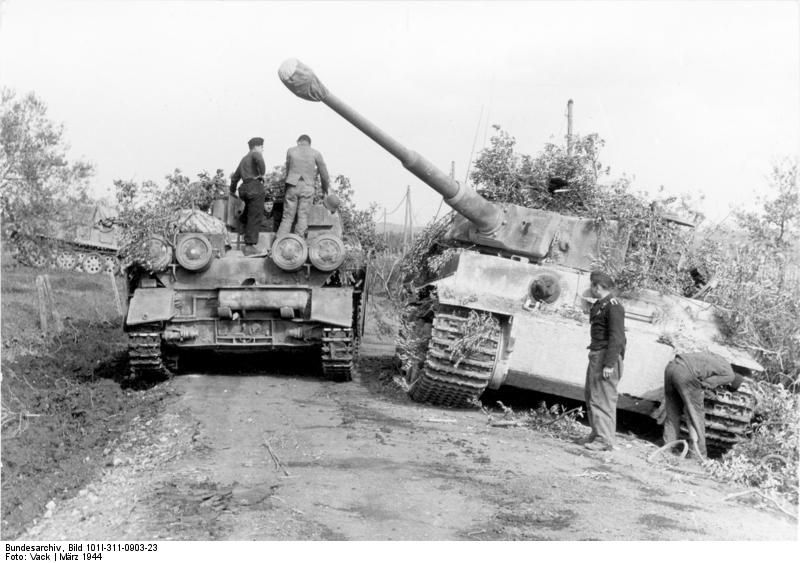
point(89, 243)
point(234, 303)
point(544, 347)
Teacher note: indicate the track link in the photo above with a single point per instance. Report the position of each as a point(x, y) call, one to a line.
point(338, 354)
point(443, 381)
point(727, 416)
point(144, 355)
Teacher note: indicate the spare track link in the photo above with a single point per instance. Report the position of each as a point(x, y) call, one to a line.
point(144, 355)
point(441, 381)
point(339, 350)
point(727, 416)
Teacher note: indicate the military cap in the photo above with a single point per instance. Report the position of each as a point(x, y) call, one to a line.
point(305, 138)
point(602, 279)
point(255, 142)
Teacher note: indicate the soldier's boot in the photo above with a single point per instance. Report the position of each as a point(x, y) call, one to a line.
point(598, 446)
point(249, 250)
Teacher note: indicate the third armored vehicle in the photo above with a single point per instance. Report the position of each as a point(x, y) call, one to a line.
point(528, 270)
point(87, 241)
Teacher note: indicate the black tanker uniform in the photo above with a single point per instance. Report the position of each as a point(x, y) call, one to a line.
point(607, 350)
point(251, 172)
point(685, 379)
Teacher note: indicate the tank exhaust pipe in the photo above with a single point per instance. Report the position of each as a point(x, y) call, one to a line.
point(485, 215)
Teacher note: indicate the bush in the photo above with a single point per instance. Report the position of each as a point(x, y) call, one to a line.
point(769, 459)
point(148, 209)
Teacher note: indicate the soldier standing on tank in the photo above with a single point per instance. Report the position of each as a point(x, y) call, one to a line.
point(251, 172)
point(685, 379)
point(606, 352)
point(302, 165)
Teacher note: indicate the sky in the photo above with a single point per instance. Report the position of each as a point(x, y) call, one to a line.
point(698, 97)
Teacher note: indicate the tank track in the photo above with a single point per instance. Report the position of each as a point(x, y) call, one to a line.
point(441, 381)
point(727, 416)
point(358, 305)
point(145, 356)
point(338, 354)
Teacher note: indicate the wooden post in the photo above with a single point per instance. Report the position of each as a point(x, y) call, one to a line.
point(41, 299)
point(58, 326)
point(569, 128)
point(117, 299)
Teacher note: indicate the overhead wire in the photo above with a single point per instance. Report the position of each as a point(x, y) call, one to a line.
point(469, 162)
point(398, 204)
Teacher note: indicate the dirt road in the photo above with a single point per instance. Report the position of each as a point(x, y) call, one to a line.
point(292, 457)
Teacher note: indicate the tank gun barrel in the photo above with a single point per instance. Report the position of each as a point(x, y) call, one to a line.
point(486, 216)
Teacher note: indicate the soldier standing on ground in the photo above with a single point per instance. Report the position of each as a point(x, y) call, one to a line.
point(606, 352)
point(302, 165)
point(685, 379)
point(251, 172)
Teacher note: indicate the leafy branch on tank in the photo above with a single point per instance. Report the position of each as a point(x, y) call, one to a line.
point(657, 247)
point(147, 209)
point(478, 329)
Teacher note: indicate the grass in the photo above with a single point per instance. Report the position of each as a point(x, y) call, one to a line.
point(62, 403)
point(78, 298)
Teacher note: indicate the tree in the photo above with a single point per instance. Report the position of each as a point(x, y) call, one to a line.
point(585, 188)
point(37, 181)
point(759, 277)
point(359, 223)
point(777, 224)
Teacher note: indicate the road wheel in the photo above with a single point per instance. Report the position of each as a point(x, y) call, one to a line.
point(66, 260)
point(36, 257)
point(92, 264)
point(110, 264)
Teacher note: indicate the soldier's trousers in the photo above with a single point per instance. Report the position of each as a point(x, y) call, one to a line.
point(683, 392)
point(253, 195)
point(296, 202)
point(601, 397)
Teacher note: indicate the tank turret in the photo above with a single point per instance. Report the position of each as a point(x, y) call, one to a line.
point(508, 228)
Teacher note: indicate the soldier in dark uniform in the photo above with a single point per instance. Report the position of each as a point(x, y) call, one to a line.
point(251, 172)
point(606, 352)
point(685, 379)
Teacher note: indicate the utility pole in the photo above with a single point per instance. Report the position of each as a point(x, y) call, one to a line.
point(408, 223)
point(385, 237)
point(569, 128)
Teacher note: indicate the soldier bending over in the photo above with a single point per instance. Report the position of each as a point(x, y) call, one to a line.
point(685, 378)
